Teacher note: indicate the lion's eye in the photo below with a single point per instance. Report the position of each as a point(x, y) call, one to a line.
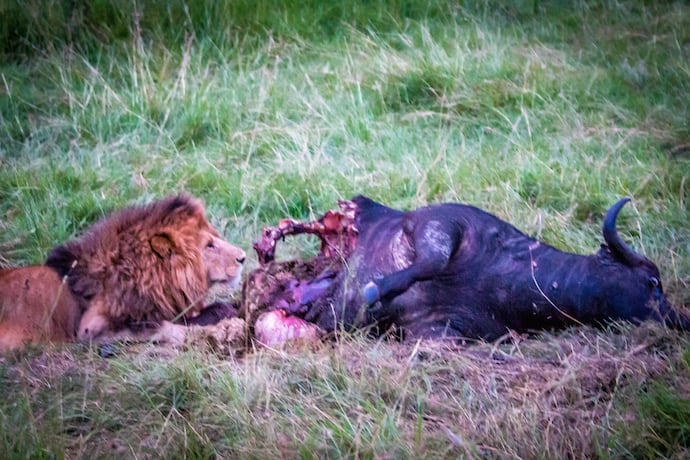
point(210, 245)
point(653, 281)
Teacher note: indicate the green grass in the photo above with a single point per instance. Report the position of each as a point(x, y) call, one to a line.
point(541, 112)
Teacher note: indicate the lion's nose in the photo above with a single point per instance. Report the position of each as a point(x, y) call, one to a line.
point(240, 260)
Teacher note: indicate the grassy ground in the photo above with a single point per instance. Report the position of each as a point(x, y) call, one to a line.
point(541, 112)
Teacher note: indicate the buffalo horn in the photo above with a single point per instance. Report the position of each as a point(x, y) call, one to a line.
point(614, 242)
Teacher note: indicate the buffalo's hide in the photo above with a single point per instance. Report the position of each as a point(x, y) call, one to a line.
point(448, 270)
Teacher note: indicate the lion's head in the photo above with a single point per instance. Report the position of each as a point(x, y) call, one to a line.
point(147, 264)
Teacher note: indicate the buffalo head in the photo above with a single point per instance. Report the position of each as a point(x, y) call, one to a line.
point(631, 281)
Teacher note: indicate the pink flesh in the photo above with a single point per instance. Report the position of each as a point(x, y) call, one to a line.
point(335, 229)
point(274, 328)
point(338, 234)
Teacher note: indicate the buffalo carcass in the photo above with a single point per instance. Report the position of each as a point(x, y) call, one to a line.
point(450, 271)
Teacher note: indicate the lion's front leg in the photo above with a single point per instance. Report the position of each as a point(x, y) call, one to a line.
point(94, 323)
point(169, 333)
point(95, 327)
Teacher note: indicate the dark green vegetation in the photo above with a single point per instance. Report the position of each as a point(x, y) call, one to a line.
point(541, 112)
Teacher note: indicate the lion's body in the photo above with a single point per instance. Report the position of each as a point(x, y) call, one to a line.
point(135, 269)
point(35, 306)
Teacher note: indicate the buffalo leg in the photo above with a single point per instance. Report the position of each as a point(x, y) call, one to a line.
point(434, 243)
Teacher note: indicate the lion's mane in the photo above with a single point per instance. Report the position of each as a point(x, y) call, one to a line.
point(143, 264)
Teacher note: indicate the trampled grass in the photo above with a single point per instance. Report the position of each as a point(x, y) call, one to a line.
point(541, 112)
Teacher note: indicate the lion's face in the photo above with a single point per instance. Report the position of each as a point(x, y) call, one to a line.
point(223, 263)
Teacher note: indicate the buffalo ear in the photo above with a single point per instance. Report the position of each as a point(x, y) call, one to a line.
point(162, 244)
point(605, 256)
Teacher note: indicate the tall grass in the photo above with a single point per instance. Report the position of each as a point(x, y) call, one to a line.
point(541, 112)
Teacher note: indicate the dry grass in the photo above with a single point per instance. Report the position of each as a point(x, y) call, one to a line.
point(551, 396)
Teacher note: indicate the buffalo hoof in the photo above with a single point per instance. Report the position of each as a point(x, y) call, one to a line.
point(370, 293)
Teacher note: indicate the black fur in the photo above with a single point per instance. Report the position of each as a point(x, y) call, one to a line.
point(212, 314)
point(453, 270)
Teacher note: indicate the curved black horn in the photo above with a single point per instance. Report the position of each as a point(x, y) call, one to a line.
point(614, 242)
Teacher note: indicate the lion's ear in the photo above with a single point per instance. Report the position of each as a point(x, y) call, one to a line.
point(162, 244)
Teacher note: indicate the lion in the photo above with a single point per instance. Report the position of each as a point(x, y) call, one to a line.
point(129, 275)
point(36, 305)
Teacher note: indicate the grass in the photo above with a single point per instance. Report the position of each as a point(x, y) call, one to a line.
point(541, 112)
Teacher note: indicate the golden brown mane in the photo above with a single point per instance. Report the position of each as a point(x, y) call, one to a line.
point(142, 263)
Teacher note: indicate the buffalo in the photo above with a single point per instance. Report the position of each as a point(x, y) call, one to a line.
point(451, 271)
